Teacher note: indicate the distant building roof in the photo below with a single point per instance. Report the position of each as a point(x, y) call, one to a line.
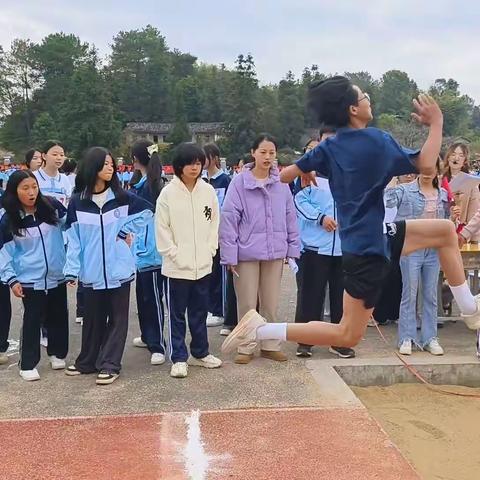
point(162, 128)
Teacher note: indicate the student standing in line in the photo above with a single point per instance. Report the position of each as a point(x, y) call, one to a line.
point(50, 180)
point(258, 230)
point(33, 160)
point(149, 281)
point(6, 308)
point(101, 215)
point(186, 226)
point(32, 257)
point(220, 181)
point(422, 198)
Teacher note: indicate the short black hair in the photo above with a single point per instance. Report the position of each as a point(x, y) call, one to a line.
point(29, 155)
point(211, 151)
point(326, 129)
point(331, 99)
point(187, 154)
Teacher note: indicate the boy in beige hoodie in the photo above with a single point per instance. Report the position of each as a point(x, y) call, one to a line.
point(186, 229)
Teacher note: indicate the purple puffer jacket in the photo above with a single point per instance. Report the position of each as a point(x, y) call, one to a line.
point(258, 222)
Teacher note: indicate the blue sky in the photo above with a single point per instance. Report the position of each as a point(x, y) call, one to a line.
point(428, 39)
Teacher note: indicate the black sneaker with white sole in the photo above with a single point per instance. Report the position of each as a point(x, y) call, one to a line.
point(342, 352)
point(304, 351)
point(106, 378)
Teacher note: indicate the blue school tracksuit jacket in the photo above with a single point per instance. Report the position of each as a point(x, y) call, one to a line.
point(97, 253)
point(37, 258)
point(145, 248)
point(313, 204)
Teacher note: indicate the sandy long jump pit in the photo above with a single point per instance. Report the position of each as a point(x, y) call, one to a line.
point(439, 434)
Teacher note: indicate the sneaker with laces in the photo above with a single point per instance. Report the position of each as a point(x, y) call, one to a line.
point(106, 378)
point(157, 359)
point(342, 352)
point(304, 351)
point(245, 332)
point(179, 370)
point(30, 375)
point(214, 321)
point(138, 342)
point(207, 362)
point(226, 331)
point(434, 347)
point(473, 321)
point(57, 363)
point(406, 347)
point(3, 358)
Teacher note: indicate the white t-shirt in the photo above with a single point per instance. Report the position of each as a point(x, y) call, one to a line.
point(58, 187)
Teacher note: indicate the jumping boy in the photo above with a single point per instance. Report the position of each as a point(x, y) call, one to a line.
point(359, 162)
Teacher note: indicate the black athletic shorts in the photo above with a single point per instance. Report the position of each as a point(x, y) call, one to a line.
point(364, 275)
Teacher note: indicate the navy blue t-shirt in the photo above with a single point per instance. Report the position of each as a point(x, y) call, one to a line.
point(359, 164)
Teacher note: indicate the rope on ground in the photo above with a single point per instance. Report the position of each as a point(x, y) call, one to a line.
point(419, 377)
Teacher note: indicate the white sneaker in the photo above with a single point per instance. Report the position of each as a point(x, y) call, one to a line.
point(225, 331)
point(213, 321)
point(3, 358)
point(473, 321)
point(406, 347)
point(79, 320)
point(138, 342)
point(57, 363)
point(179, 370)
point(157, 359)
point(245, 332)
point(43, 341)
point(30, 375)
point(434, 347)
point(372, 322)
point(208, 362)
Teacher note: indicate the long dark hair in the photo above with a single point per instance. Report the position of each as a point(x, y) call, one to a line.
point(152, 162)
point(88, 168)
point(45, 212)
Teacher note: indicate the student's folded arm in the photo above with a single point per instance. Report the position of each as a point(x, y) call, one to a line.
point(472, 227)
point(139, 213)
point(163, 232)
point(305, 207)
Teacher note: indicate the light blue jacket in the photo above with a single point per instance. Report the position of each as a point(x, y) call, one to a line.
point(410, 201)
point(96, 251)
point(36, 258)
point(313, 204)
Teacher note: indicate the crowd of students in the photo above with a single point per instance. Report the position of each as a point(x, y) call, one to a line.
point(207, 249)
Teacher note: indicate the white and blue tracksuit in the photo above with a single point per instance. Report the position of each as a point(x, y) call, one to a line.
point(218, 278)
point(150, 281)
point(99, 256)
point(35, 259)
point(5, 303)
point(321, 259)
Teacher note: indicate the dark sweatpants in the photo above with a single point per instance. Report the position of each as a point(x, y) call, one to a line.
point(314, 272)
point(191, 297)
point(216, 289)
point(231, 315)
point(5, 316)
point(50, 309)
point(149, 292)
point(104, 332)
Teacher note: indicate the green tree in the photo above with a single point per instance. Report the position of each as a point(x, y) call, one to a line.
point(395, 94)
point(291, 112)
point(44, 129)
point(87, 116)
point(180, 132)
point(141, 73)
point(242, 106)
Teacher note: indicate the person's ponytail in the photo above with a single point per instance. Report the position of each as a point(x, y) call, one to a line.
point(154, 175)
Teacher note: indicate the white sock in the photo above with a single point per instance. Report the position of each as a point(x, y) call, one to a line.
point(272, 331)
point(464, 298)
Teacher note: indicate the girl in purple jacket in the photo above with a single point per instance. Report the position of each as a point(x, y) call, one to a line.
point(258, 230)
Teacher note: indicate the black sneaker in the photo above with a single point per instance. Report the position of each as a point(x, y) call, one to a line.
point(304, 351)
point(342, 352)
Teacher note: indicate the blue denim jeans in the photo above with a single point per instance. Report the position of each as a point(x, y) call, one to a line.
point(422, 267)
